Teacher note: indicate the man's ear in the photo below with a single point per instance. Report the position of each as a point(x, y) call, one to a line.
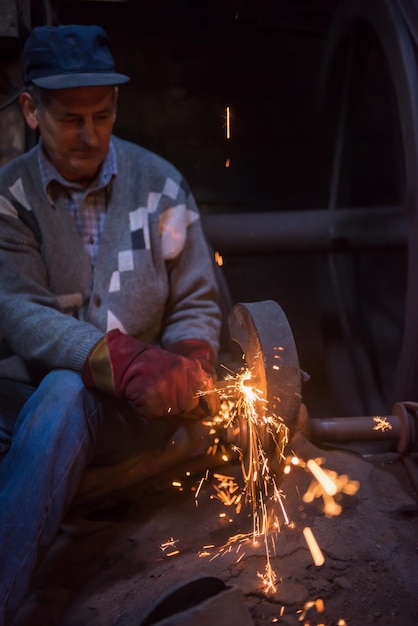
point(29, 110)
point(116, 98)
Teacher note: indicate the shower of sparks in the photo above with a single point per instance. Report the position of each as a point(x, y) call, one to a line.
point(244, 407)
point(242, 401)
point(381, 423)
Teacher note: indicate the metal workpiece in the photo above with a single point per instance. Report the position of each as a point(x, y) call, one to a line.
point(400, 429)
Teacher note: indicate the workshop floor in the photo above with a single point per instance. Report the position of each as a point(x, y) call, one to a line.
point(118, 567)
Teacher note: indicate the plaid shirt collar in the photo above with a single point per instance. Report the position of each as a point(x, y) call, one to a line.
point(49, 173)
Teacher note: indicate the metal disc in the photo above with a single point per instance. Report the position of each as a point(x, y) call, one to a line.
point(262, 331)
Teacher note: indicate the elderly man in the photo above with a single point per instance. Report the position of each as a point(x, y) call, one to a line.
point(108, 303)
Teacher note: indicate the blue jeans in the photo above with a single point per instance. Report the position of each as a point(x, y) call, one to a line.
point(48, 436)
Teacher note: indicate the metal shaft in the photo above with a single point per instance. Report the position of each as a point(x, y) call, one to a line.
point(400, 428)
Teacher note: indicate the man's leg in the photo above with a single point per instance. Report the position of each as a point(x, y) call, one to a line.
point(53, 440)
point(13, 396)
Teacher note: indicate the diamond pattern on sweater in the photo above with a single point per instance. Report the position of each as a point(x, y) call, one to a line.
point(140, 236)
point(138, 221)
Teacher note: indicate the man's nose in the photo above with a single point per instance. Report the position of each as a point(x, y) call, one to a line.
point(88, 133)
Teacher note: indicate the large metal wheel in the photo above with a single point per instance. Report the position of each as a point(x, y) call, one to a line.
point(370, 83)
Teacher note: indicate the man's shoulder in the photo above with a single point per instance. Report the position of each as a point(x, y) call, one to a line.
point(17, 165)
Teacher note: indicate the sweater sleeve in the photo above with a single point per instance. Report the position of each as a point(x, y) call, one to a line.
point(192, 310)
point(32, 320)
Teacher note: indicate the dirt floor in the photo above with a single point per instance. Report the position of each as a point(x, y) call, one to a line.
point(112, 566)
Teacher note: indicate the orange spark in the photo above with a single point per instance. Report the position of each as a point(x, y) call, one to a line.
point(171, 543)
point(228, 122)
point(381, 423)
point(328, 485)
point(317, 556)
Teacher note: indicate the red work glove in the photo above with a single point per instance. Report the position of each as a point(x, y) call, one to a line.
point(196, 349)
point(157, 382)
point(201, 351)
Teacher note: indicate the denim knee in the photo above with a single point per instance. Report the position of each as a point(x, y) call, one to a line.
point(62, 379)
point(61, 404)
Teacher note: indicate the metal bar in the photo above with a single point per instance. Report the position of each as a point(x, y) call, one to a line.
point(342, 230)
point(400, 428)
point(344, 429)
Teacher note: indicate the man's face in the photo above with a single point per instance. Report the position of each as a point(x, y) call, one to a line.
point(75, 126)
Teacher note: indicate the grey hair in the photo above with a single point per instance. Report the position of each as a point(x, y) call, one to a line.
point(41, 97)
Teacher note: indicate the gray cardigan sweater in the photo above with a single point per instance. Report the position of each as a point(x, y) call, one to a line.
point(153, 278)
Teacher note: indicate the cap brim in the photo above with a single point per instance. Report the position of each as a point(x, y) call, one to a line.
point(65, 81)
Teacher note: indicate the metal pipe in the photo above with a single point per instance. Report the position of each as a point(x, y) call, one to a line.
point(305, 231)
point(400, 428)
point(338, 429)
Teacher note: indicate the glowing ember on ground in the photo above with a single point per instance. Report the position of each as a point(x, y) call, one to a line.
point(269, 577)
point(317, 604)
point(171, 543)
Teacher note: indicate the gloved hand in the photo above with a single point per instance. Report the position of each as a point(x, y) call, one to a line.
point(201, 351)
point(156, 381)
point(196, 349)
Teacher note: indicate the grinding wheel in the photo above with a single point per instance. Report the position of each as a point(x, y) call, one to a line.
point(264, 335)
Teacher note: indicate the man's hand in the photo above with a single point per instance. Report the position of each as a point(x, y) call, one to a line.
point(157, 382)
point(201, 351)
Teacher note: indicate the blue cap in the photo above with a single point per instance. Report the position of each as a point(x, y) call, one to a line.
point(58, 57)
